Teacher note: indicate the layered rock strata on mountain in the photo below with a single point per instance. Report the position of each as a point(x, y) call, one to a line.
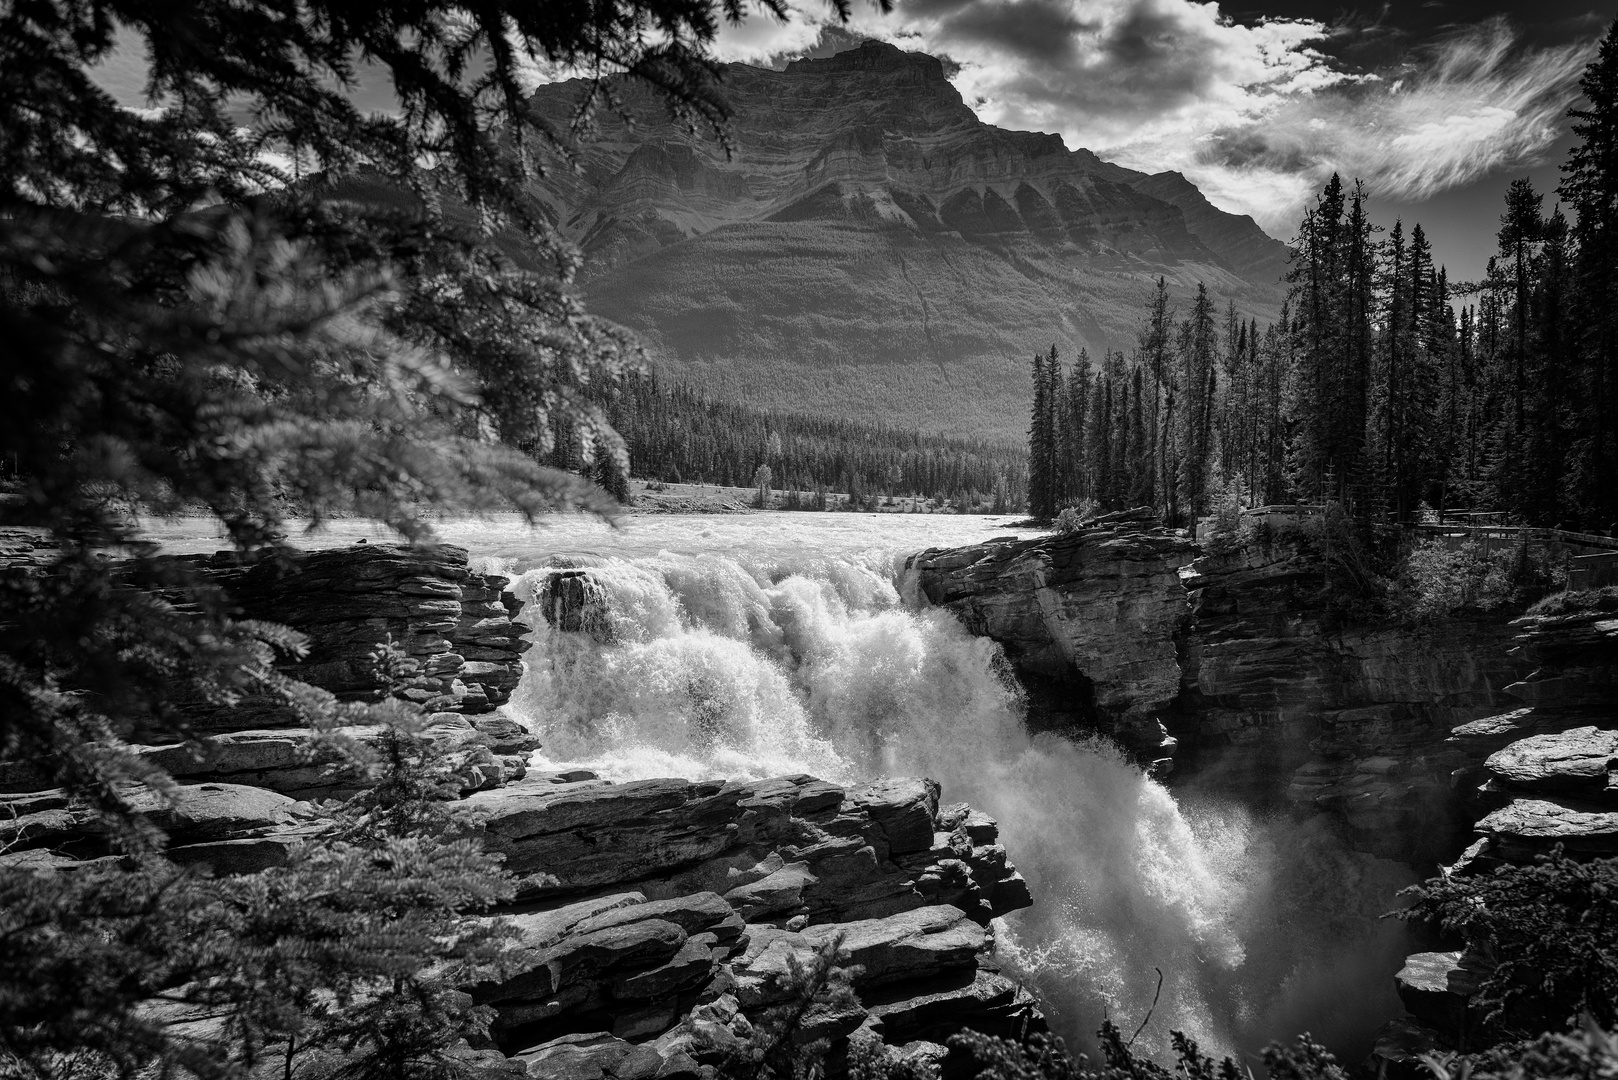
point(1087, 619)
point(1284, 698)
point(456, 628)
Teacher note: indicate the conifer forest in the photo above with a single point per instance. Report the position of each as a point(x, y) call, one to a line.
point(1383, 385)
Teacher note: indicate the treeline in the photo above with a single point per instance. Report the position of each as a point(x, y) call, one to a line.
point(679, 435)
point(1379, 386)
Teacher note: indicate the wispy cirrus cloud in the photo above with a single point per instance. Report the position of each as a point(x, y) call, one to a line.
point(1257, 114)
point(1474, 103)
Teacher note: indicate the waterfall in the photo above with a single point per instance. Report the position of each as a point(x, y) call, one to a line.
point(704, 665)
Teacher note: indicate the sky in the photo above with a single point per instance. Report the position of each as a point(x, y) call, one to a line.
point(1436, 106)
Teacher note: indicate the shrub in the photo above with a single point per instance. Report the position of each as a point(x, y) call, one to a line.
point(1073, 518)
point(1043, 1057)
point(1551, 931)
point(1586, 1054)
point(1577, 601)
point(1227, 533)
point(1438, 582)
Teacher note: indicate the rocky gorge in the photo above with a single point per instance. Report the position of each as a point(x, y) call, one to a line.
point(662, 919)
point(1414, 741)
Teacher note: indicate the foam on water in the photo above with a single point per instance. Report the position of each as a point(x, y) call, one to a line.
point(793, 659)
point(777, 643)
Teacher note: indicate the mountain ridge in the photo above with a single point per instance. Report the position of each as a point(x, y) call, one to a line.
point(871, 249)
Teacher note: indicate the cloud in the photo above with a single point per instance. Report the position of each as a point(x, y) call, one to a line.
point(761, 37)
point(1257, 115)
point(1106, 73)
point(1475, 103)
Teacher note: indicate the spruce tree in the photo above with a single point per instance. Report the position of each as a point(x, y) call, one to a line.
point(1590, 187)
point(1041, 438)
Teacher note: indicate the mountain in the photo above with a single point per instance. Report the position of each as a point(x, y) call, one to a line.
point(871, 249)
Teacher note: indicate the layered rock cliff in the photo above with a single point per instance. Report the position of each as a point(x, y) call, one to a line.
point(886, 250)
point(660, 921)
point(1235, 666)
point(1533, 779)
point(1285, 698)
point(1088, 619)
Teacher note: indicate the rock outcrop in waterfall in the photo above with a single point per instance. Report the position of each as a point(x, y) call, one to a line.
point(1235, 665)
point(1088, 619)
point(870, 249)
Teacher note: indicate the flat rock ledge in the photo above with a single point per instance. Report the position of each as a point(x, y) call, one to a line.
point(1548, 773)
point(660, 921)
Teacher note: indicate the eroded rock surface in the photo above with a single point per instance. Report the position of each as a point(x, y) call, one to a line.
point(659, 920)
point(1544, 774)
point(1087, 618)
point(1285, 698)
point(456, 627)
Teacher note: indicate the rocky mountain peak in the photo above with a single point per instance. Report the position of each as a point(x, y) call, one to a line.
point(877, 56)
point(865, 220)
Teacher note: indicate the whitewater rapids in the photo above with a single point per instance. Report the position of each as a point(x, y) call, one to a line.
point(737, 659)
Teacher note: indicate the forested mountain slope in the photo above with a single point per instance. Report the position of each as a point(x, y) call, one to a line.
point(874, 251)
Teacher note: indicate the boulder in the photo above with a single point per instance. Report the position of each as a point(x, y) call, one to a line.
point(913, 945)
point(306, 765)
point(1580, 761)
point(1439, 988)
point(975, 998)
point(593, 1056)
point(190, 815)
point(1527, 827)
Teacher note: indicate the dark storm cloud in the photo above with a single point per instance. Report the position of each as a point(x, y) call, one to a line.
point(1041, 34)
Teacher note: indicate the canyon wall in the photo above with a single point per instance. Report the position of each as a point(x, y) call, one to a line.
point(1284, 699)
point(1234, 665)
point(1529, 780)
point(660, 921)
point(1088, 619)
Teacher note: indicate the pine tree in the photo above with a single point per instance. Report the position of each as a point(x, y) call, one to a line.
point(1520, 232)
point(1155, 349)
point(1199, 350)
point(1590, 187)
point(1042, 481)
point(1075, 407)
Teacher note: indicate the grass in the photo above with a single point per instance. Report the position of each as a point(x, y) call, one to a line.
point(1578, 602)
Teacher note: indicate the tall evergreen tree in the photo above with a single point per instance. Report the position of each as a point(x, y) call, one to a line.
point(1199, 353)
point(1590, 187)
point(1044, 478)
point(1155, 350)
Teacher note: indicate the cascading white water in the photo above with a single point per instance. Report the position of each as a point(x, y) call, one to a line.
point(717, 666)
